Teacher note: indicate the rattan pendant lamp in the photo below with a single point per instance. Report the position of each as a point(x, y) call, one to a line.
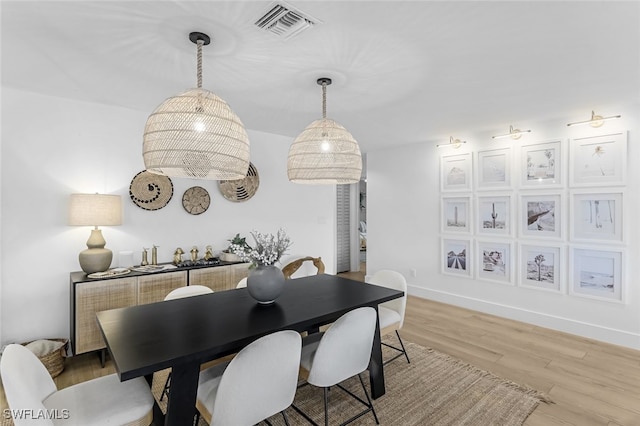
point(196, 134)
point(325, 152)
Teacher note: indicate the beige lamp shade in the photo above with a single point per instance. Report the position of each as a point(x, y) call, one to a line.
point(196, 135)
point(95, 210)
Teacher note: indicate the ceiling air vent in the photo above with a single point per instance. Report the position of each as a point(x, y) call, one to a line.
point(285, 21)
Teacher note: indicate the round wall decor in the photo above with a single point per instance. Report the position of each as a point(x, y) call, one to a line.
point(241, 189)
point(150, 191)
point(196, 200)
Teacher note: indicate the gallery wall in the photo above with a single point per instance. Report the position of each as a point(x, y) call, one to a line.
point(407, 228)
point(52, 147)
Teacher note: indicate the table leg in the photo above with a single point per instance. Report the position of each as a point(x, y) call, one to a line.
point(182, 397)
point(376, 370)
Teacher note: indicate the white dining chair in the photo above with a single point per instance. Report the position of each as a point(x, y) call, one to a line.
point(391, 313)
point(341, 352)
point(259, 382)
point(242, 283)
point(179, 293)
point(103, 401)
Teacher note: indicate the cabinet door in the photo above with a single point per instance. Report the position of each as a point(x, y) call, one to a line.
point(154, 288)
point(93, 297)
point(217, 278)
point(239, 272)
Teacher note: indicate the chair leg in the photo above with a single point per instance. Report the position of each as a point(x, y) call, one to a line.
point(373, 410)
point(286, 419)
point(167, 385)
point(403, 348)
point(326, 407)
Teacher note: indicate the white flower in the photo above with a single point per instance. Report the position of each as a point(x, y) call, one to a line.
point(268, 248)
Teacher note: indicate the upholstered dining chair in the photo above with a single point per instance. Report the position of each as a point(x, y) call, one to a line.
point(242, 283)
point(341, 352)
point(102, 401)
point(391, 313)
point(259, 382)
point(302, 267)
point(179, 293)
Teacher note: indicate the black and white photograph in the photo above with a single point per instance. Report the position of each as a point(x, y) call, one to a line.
point(456, 255)
point(597, 274)
point(540, 267)
point(541, 165)
point(540, 216)
point(596, 216)
point(494, 168)
point(455, 172)
point(494, 215)
point(494, 261)
point(455, 214)
point(598, 160)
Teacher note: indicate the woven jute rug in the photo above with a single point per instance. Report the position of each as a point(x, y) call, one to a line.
point(434, 389)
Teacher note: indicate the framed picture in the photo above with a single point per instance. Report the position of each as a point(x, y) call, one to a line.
point(541, 165)
point(598, 160)
point(456, 255)
point(596, 216)
point(456, 214)
point(494, 215)
point(455, 172)
point(596, 274)
point(541, 267)
point(494, 261)
point(540, 216)
point(494, 169)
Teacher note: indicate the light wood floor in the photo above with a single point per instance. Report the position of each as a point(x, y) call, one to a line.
point(591, 383)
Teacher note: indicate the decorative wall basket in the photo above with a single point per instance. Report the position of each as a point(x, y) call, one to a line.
point(241, 189)
point(150, 191)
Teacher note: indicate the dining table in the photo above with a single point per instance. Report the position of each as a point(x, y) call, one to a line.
point(183, 334)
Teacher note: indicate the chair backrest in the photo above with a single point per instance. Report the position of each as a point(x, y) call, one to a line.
point(260, 381)
point(242, 283)
point(303, 267)
point(26, 383)
point(345, 348)
point(394, 280)
point(188, 291)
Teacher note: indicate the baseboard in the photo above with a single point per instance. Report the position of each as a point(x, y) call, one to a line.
point(567, 325)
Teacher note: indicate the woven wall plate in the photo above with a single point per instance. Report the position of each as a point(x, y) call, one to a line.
point(241, 189)
point(150, 191)
point(196, 200)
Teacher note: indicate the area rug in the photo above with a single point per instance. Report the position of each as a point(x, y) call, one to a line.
point(434, 389)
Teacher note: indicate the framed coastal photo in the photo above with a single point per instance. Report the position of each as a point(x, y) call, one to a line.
point(541, 267)
point(456, 256)
point(541, 165)
point(494, 169)
point(494, 215)
point(540, 216)
point(456, 214)
point(596, 274)
point(494, 261)
point(598, 160)
point(596, 216)
point(455, 172)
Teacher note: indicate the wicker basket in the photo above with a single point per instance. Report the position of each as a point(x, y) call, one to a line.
point(54, 361)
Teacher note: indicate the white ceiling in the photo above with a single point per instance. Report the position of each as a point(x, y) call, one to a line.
point(403, 71)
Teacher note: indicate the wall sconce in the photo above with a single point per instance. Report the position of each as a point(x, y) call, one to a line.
point(596, 120)
point(95, 210)
point(454, 143)
point(513, 133)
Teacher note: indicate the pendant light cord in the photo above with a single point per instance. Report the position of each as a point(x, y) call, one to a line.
point(199, 72)
point(324, 99)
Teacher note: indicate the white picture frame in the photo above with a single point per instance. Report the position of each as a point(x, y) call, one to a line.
point(598, 160)
point(541, 267)
point(456, 255)
point(494, 169)
point(597, 274)
point(456, 214)
point(597, 216)
point(541, 165)
point(456, 172)
point(494, 261)
point(494, 215)
point(541, 216)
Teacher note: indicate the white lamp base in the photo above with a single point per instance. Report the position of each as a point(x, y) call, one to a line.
point(95, 260)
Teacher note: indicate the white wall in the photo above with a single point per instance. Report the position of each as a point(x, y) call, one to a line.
point(403, 211)
point(53, 147)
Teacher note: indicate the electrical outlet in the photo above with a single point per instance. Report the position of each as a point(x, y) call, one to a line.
point(413, 273)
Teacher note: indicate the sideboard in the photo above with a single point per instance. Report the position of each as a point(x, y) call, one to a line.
point(92, 295)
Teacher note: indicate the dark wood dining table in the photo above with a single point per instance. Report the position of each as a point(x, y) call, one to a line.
point(184, 333)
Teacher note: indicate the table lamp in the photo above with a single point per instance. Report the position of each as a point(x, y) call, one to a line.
point(95, 210)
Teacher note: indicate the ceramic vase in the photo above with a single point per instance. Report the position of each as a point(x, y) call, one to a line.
point(265, 283)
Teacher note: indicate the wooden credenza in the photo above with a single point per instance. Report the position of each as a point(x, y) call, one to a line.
point(92, 295)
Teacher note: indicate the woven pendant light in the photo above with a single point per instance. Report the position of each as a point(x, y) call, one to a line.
point(325, 152)
point(196, 134)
